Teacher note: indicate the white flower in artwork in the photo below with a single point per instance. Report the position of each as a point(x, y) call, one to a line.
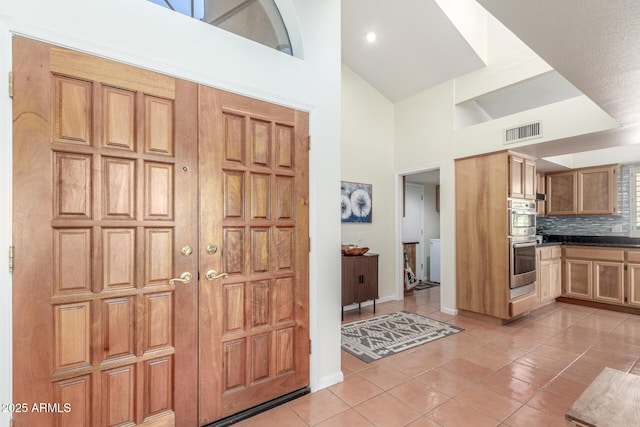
point(360, 203)
point(345, 206)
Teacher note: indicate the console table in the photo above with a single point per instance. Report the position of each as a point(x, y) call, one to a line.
point(359, 279)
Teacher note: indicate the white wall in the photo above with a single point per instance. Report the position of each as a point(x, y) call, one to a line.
point(146, 35)
point(367, 157)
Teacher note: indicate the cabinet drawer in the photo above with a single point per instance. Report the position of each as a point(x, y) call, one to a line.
point(550, 252)
point(633, 256)
point(522, 305)
point(594, 253)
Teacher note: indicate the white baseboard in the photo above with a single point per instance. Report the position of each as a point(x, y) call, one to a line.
point(450, 311)
point(328, 381)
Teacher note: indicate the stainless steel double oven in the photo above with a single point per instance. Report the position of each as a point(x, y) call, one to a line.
point(522, 247)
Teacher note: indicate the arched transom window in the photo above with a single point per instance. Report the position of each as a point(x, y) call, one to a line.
point(257, 20)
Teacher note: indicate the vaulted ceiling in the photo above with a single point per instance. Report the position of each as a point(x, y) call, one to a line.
point(593, 44)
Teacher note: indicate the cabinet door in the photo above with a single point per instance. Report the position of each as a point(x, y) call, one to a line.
point(555, 278)
point(578, 278)
point(349, 280)
point(608, 281)
point(529, 179)
point(368, 278)
point(541, 205)
point(516, 174)
point(562, 191)
point(597, 191)
point(544, 282)
point(633, 278)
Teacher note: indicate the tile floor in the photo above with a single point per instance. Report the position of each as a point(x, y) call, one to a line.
point(527, 373)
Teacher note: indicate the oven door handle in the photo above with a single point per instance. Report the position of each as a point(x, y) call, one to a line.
point(524, 244)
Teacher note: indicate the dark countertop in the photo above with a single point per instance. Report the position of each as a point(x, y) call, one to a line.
point(603, 241)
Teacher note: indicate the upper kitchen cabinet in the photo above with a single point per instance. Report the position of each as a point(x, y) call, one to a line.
point(597, 190)
point(522, 177)
point(586, 191)
point(562, 193)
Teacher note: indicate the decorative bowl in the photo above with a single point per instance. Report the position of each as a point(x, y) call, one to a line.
point(345, 247)
point(355, 250)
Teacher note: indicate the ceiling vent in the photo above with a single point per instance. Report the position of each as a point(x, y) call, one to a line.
point(522, 133)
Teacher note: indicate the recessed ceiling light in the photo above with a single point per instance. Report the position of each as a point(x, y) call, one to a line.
point(371, 36)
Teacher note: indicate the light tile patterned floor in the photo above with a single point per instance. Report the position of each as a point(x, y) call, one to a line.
point(524, 374)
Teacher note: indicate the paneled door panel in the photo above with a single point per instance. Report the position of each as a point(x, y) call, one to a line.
point(105, 184)
point(254, 339)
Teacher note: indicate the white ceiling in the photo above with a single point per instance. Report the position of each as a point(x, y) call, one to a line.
point(417, 46)
point(593, 44)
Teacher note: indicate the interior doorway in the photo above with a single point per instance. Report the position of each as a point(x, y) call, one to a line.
point(421, 219)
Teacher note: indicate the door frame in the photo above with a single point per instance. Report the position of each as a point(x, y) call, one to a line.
point(320, 376)
point(399, 250)
point(6, 222)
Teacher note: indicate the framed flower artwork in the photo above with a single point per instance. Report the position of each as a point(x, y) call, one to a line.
point(355, 202)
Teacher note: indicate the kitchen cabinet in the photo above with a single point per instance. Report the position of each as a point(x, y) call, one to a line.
point(608, 281)
point(522, 304)
point(541, 205)
point(562, 193)
point(595, 273)
point(633, 278)
point(483, 185)
point(522, 177)
point(549, 274)
point(578, 282)
point(585, 191)
point(597, 190)
point(359, 279)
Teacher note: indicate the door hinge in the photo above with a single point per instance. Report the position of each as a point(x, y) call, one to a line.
point(309, 346)
point(10, 84)
point(10, 422)
point(309, 143)
point(10, 259)
point(309, 244)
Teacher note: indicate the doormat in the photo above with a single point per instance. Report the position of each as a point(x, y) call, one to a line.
point(383, 336)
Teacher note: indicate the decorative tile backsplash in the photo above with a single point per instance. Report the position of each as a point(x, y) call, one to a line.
point(594, 225)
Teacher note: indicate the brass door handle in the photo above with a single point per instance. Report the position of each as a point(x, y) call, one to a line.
point(212, 274)
point(184, 278)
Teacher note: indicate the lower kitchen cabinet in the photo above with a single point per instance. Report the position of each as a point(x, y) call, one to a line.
point(549, 274)
point(359, 279)
point(633, 278)
point(608, 281)
point(578, 278)
point(596, 274)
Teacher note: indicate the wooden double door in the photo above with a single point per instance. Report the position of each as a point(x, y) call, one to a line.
point(160, 246)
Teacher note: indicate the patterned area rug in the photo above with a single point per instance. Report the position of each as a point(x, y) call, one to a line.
point(383, 336)
point(425, 285)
